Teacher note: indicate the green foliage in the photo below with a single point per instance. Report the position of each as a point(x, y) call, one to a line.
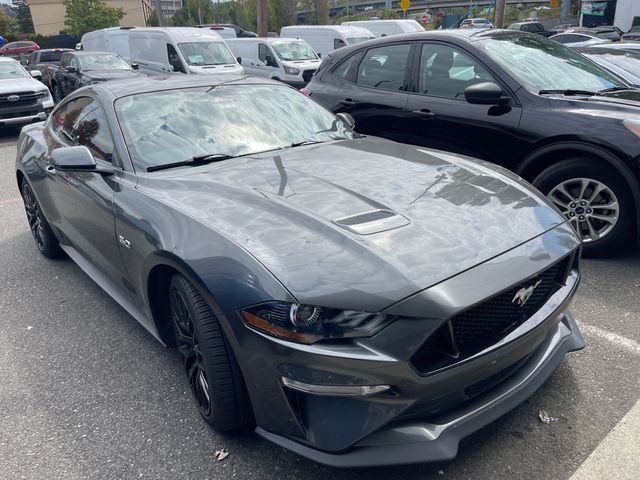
point(194, 12)
point(84, 16)
point(382, 14)
point(320, 9)
point(22, 16)
point(6, 24)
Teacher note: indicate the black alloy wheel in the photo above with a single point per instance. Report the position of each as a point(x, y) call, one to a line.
point(42, 234)
point(213, 373)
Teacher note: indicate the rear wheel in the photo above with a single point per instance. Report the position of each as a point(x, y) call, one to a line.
point(213, 372)
point(44, 237)
point(595, 199)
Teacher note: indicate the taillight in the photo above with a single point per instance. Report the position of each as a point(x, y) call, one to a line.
point(305, 91)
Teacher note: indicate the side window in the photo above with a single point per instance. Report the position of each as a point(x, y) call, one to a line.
point(262, 52)
point(384, 67)
point(73, 62)
point(92, 131)
point(338, 43)
point(82, 121)
point(32, 59)
point(343, 69)
point(174, 59)
point(446, 72)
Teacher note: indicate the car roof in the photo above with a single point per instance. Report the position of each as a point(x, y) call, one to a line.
point(87, 53)
point(8, 59)
point(143, 84)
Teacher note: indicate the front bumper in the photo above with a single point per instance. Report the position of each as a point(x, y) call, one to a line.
point(21, 115)
point(38, 117)
point(425, 412)
point(422, 441)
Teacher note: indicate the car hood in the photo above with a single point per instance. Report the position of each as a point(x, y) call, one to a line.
point(232, 68)
point(104, 75)
point(301, 213)
point(14, 85)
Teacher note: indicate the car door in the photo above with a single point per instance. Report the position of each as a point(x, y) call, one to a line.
point(439, 116)
point(84, 200)
point(269, 63)
point(374, 89)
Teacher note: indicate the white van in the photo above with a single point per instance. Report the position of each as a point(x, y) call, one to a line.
point(115, 39)
point(386, 28)
point(224, 32)
point(289, 60)
point(163, 50)
point(325, 38)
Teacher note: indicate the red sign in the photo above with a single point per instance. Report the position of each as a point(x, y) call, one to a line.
point(426, 18)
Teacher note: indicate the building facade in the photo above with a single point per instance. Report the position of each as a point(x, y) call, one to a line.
point(48, 15)
point(170, 7)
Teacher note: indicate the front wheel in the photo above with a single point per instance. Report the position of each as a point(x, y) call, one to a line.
point(595, 199)
point(44, 237)
point(213, 372)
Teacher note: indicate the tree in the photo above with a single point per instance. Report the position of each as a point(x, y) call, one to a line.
point(84, 16)
point(282, 13)
point(320, 9)
point(23, 16)
point(6, 23)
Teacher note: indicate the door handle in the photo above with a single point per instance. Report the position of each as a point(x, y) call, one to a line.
point(424, 113)
point(50, 169)
point(347, 102)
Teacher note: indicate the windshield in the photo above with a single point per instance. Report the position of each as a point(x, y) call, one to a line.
point(206, 53)
point(12, 70)
point(542, 64)
point(354, 40)
point(628, 64)
point(176, 125)
point(103, 62)
point(294, 50)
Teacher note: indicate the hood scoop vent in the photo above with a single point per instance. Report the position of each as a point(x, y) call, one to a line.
point(373, 221)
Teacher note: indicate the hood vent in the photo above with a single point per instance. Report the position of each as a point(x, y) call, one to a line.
point(373, 221)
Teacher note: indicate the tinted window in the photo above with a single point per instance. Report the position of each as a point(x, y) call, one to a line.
point(50, 56)
point(83, 122)
point(384, 67)
point(338, 43)
point(263, 51)
point(446, 72)
point(345, 67)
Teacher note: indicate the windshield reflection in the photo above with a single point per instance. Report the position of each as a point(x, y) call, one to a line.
point(176, 125)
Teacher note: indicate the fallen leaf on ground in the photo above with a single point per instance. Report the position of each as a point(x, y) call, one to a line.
point(545, 417)
point(221, 454)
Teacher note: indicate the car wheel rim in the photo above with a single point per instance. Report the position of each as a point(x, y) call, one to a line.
point(33, 215)
point(590, 206)
point(189, 347)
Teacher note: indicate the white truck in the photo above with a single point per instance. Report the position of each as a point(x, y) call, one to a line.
point(325, 38)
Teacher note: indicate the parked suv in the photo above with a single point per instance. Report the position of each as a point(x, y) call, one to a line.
point(23, 99)
point(512, 98)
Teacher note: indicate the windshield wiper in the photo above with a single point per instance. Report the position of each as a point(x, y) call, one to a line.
point(305, 142)
point(615, 89)
point(568, 91)
point(192, 162)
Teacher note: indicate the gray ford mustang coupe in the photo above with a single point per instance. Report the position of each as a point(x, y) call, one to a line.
point(358, 301)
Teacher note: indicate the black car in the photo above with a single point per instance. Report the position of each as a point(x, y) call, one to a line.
point(46, 61)
point(512, 98)
point(240, 32)
point(78, 69)
point(532, 27)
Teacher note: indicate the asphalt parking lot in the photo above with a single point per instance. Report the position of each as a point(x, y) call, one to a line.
point(85, 392)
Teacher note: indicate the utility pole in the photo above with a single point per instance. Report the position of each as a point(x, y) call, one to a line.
point(263, 17)
point(160, 13)
point(500, 4)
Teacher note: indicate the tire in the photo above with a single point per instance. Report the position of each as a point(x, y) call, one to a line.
point(588, 186)
point(213, 373)
point(43, 236)
point(56, 92)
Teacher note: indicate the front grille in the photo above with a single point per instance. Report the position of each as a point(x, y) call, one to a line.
point(483, 325)
point(23, 102)
point(28, 113)
point(307, 75)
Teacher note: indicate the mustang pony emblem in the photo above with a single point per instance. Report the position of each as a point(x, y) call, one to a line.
point(524, 294)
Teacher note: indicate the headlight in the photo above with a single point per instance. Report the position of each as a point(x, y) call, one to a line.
point(633, 126)
point(45, 95)
point(308, 323)
point(291, 71)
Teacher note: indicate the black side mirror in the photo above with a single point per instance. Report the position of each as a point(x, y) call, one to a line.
point(135, 66)
point(239, 59)
point(485, 93)
point(347, 118)
point(76, 159)
point(71, 70)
